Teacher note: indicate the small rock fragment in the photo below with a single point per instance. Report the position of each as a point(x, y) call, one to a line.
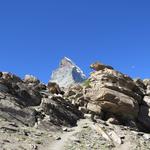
point(58, 138)
point(146, 136)
point(65, 129)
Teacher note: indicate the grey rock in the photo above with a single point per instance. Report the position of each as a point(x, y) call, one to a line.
point(60, 111)
point(20, 116)
point(112, 121)
point(141, 85)
point(58, 138)
point(146, 101)
point(94, 108)
point(9, 77)
point(75, 94)
point(3, 88)
point(144, 116)
point(65, 129)
point(88, 116)
point(146, 136)
point(148, 90)
point(31, 79)
point(83, 109)
point(115, 137)
point(34, 147)
point(146, 82)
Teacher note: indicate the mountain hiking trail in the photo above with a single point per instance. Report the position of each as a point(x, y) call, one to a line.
point(60, 144)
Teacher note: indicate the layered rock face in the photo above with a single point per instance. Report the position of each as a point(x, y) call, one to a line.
point(29, 102)
point(67, 74)
point(144, 114)
point(33, 114)
point(114, 92)
point(108, 91)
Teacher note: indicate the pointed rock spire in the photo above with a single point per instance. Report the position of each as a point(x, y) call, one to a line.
point(66, 62)
point(68, 73)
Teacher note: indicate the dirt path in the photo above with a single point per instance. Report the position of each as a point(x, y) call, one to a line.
point(125, 146)
point(59, 145)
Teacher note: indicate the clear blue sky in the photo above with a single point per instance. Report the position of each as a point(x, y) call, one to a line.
point(36, 34)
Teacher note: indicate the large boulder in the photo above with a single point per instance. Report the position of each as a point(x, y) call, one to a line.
point(114, 92)
point(67, 74)
point(99, 66)
point(16, 97)
point(13, 111)
point(27, 93)
point(76, 96)
point(144, 113)
point(60, 111)
point(115, 102)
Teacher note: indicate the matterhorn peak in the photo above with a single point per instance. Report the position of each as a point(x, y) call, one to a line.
point(66, 62)
point(68, 73)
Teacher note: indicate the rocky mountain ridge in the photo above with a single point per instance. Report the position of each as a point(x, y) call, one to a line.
point(109, 110)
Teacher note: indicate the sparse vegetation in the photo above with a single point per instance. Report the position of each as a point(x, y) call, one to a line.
point(87, 83)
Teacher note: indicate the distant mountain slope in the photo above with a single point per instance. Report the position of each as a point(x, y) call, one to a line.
point(67, 73)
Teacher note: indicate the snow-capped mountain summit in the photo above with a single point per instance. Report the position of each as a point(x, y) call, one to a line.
point(68, 73)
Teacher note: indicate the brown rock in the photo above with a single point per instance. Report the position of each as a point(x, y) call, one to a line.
point(1, 74)
point(114, 102)
point(99, 66)
point(54, 88)
point(116, 81)
point(141, 85)
point(114, 92)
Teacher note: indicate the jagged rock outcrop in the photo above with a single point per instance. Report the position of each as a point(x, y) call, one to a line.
point(109, 91)
point(15, 99)
point(26, 93)
point(144, 113)
point(107, 97)
point(60, 112)
point(32, 110)
point(114, 92)
point(76, 95)
point(67, 74)
point(21, 101)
